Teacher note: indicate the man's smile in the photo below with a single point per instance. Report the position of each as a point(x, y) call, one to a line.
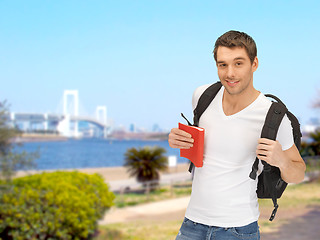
point(232, 83)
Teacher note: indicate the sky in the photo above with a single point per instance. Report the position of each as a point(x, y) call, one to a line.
point(143, 59)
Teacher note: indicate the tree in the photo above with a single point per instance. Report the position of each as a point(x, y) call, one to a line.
point(145, 164)
point(10, 159)
point(311, 148)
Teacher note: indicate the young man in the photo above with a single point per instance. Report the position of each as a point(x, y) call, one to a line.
point(223, 203)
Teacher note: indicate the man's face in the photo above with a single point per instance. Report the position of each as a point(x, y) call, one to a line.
point(235, 69)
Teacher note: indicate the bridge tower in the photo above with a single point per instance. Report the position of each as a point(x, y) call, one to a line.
point(73, 107)
point(101, 116)
point(70, 108)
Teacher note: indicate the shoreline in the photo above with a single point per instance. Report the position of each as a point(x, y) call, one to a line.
point(48, 137)
point(108, 173)
point(27, 137)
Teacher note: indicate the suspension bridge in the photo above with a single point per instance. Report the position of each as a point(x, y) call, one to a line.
point(69, 123)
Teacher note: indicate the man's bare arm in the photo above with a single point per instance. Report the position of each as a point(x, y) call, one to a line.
point(290, 163)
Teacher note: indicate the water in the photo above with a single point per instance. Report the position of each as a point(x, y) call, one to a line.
point(89, 153)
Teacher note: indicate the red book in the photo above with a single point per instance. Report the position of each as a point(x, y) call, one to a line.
point(194, 154)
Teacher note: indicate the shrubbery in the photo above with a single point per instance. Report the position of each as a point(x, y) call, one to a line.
point(58, 205)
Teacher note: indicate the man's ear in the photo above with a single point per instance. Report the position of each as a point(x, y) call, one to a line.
point(255, 64)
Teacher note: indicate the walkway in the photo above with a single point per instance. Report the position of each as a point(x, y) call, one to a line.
point(305, 227)
point(169, 209)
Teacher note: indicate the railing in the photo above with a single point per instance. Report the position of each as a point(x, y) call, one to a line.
point(146, 187)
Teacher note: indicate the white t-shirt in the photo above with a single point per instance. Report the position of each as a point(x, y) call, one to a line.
point(223, 194)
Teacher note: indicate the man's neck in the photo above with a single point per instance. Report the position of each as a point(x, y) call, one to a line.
point(233, 104)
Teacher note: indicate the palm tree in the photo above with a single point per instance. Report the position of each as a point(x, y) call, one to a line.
point(145, 163)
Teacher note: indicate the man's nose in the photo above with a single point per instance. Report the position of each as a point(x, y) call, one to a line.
point(230, 72)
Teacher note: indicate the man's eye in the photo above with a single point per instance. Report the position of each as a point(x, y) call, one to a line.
point(222, 65)
point(239, 63)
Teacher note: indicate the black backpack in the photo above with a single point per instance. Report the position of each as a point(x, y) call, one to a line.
point(270, 184)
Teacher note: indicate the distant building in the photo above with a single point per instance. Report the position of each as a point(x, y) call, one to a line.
point(156, 128)
point(132, 127)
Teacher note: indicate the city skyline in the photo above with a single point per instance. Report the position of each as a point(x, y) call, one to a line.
point(144, 59)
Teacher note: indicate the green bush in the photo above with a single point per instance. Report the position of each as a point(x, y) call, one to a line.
point(58, 205)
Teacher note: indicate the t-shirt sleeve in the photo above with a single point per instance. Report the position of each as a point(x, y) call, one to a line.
point(285, 134)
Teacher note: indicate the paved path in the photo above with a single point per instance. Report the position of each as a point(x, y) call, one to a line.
point(166, 209)
point(305, 227)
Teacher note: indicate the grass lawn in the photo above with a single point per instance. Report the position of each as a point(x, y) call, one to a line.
point(296, 199)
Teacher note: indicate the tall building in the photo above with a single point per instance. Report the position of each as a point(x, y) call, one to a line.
point(132, 127)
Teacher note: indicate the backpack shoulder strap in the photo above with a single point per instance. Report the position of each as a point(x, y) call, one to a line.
point(295, 129)
point(270, 129)
point(204, 101)
point(294, 123)
point(273, 120)
point(271, 175)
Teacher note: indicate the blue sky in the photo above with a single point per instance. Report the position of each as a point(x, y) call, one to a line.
point(143, 59)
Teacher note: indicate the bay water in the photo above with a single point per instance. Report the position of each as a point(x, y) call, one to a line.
point(89, 153)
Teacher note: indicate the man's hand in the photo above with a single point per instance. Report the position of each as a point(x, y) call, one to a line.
point(271, 152)
point(180, 139)
point(290, 162)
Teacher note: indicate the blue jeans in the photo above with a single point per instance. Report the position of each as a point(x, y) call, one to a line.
point(197, 231)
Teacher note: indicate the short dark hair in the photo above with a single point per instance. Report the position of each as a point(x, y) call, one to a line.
point(232, 39)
